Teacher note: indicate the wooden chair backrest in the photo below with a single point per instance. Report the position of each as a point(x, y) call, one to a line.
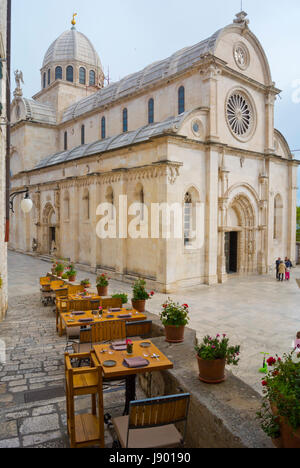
point(159, 411)
point(108, 331)
point(112, 303)
point(75, 288)
point(71, 372)
point(81, 305)
point(143, 328)
point(45, 280)
point(57, 284)
point(63, 292)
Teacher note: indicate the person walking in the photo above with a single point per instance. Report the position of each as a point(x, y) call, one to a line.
point(281, 271)
point(278, 261)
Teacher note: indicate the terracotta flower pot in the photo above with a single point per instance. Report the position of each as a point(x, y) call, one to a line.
point(212, 372)
point(59, 274)
point(102, 291)
point(72, 278)
point(174, 334)
point(289, 439)
point(140, 306)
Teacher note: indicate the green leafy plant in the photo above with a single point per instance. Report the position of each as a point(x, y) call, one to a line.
point(174, 314)
point(86, 282)
point(122, 296)
point(102, 281)
point(212, 349)
point(71, 271)
point(60, 267)
point(139, 291)
point(281, 388)
point(65, 276)
point(1, 282)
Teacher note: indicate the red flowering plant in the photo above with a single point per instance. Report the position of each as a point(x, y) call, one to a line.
point(212, 349)
point(281, 389)
point(102, 281)
point(139, 291)
point(129, 345)
point(174, 314)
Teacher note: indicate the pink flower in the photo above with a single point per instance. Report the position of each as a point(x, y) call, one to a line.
point(128, 342)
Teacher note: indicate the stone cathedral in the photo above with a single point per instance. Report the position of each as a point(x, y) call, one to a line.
point(197, 127)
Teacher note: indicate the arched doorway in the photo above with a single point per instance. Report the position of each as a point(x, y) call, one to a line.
point(240, 236)
point(49, 230)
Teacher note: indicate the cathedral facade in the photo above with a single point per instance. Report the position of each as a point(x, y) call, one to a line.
point(194, 129)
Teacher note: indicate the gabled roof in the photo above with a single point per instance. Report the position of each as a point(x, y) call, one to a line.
point(143, 134)
point(178, 62)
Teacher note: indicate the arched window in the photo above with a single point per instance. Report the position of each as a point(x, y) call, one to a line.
point(278, 208)
point(140, 198)
point(181, 100)
point(188, 220)
point(58, 73)
point(49, 76)
point(151, 111)
point(86, 204)
point(103, 128)
point(67, 206)
point(44, 80)
point(82, 134)
point(190, 214)
point(111, 200)
point(70, 74)
point(82, 75)
point(92, 78)
point(125, 120)
point(65, 141)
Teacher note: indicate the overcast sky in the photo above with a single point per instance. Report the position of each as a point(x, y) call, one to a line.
point(131, 34)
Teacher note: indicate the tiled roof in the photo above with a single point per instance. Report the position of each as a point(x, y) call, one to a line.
point(119, 141)
point(178, 62)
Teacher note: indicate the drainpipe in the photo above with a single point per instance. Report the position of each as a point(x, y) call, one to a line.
point(8, 77)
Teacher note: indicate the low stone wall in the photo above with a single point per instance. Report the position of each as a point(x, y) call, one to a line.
point(221, 416)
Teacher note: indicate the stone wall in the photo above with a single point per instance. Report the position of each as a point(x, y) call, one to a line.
point(3, 249)
point(220, 416)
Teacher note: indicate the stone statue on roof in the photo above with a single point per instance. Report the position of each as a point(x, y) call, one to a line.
point(19, 79)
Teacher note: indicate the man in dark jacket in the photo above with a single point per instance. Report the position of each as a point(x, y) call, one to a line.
point(278, 261)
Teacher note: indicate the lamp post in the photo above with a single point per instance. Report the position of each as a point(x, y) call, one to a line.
point(26, 203)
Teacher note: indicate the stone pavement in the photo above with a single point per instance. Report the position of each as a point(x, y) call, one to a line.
point(257, 312)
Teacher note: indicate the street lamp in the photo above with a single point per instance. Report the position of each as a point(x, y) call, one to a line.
point(26, 203)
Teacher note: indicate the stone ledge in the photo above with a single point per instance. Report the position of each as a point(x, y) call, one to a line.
point(221, 416)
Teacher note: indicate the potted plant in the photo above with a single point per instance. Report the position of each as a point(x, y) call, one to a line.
point(122, 296)
point(280, 413)
point(140, 295)
point(54, 265)
point(102, 285)
point(86, 283)
point(65, 276)
point(71, 273)
point(129, 345)
point(174, 317)
point(59, 269)
point(212, 355)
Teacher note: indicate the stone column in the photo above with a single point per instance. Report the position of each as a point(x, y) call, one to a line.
point(211, 216)
point(269, 135)
point(122, 225)
point(74, 222)
point(93, 235)
point(210, 77)
point(292, 218)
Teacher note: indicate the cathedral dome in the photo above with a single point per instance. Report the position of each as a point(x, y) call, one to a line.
point(72, 46)
point(72, 58)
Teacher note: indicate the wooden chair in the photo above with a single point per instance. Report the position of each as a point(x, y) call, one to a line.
point(56, 285)
point(75, 288)
point(101, 332)
point(140, 329)
point(112, 303)
point(45, 283)
point(151, 423)
point(84, 429)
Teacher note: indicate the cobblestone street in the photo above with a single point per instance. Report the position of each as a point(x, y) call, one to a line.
point(257, 312)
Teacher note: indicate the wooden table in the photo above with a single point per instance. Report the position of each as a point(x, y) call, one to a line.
point(73, 321)
point(121, 371)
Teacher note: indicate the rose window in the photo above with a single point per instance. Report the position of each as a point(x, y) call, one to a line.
point(239, 114)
